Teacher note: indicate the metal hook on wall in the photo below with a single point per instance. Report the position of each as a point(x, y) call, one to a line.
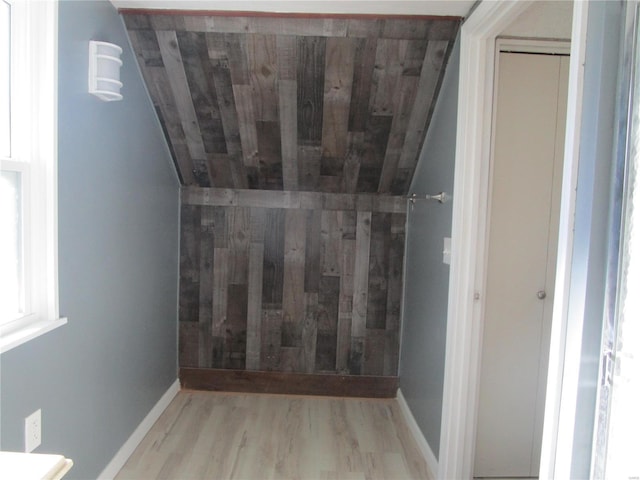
point(441, 197)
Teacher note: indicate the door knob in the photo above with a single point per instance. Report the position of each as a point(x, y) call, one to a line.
point(541, 294)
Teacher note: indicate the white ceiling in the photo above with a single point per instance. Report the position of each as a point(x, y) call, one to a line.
point(387, 7)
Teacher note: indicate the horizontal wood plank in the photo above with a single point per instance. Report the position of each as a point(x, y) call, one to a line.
point(220, 197)
point(220, 380)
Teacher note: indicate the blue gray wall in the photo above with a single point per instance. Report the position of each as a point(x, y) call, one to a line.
point(426, 290)
point(594, 214)
point(98, 376)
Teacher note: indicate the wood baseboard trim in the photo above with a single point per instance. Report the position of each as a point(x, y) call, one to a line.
point(121, 457)
point(288, 383)
point(423, 445)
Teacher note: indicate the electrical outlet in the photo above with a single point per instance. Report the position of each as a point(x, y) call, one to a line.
point(33, 431)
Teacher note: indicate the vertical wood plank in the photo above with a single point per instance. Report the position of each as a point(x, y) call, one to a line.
point(313, 252)
point(271, 338)
point(246, 124)
point(427, 88)
point(351, 167)
point(254, 293)
point(408, 86)
point(172, 59)
point(310, 331)
point(362, 80)
point(376, 137)
point(226, 101)
point(288, 106)
point(221, 223)
point(287, 97)
point(361, 275)
point(220, 170)
point(193, 50)
point(235, 333)
point(167, 110)
point(308, 165)
point(386, 75)
point(356, 354)
point(378, 270)
point(345, 307)
point(273, 267)
point(189, 302)
point(207, 257)
point(326, 342)
point(236, 48)
point(220, 298)
point(262, 62)
point(189, 344)
point(331, 242)
point(269, 155)
point(293, 286)
point(394, 294)
point(291, 359)
point(374, 346)
point(310, 86)
point(239, 237)
point(337, 95)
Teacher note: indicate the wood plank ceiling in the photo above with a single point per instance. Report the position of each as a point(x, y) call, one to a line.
point(329, 104)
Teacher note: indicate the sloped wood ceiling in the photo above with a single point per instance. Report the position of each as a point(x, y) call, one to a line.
point(336, 105)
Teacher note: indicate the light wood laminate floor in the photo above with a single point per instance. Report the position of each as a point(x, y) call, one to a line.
point(206, 435)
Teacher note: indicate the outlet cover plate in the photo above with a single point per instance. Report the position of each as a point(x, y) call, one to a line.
point(33, 431)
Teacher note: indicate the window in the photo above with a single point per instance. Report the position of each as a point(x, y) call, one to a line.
point(28, 196)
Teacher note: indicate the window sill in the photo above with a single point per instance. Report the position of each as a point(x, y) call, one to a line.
point(29, 332)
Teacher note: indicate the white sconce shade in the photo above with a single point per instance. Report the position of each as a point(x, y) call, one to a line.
point(104, 70)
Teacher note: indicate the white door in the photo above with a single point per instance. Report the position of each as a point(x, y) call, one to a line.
point(526, 180)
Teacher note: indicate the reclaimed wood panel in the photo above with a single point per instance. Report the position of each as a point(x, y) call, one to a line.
point(172, 60)
point(310, 84)
point(247, 124)
point(193, 50)
point(293, 283)
point(361, 274)
point(335, 105)
point(205, 294)
point(254, 305)
point(288, 109)
point(311, 288)
point(262, 61)
point(189, 303)
point(337, 94)
point(428, 86)
point(306, 200)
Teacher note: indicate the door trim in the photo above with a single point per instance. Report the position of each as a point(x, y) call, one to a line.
point(468, 267)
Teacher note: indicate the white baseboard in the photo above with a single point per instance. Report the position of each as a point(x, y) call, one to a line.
point(425, 449)
point(121, 457)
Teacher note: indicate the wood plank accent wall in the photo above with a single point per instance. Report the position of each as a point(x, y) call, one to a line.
point(336, 105)
point(291, 281)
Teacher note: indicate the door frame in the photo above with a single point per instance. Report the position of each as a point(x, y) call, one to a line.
point(468, 266)
point(522, 46)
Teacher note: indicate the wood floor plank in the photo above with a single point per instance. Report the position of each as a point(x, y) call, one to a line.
point(280, 437)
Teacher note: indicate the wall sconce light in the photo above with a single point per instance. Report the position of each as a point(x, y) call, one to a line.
point(104, 70)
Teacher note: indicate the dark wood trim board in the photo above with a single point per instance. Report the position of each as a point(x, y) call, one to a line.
point(242, 13)
point(219, 380)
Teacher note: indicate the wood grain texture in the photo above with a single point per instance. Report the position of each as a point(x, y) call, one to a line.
point(268, 436)
point(306, 290)
point(172, 60)
point(219, 380)
point(282, 103)
point(286, 200)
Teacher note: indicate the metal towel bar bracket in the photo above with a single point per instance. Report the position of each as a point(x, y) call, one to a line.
point(441, 197)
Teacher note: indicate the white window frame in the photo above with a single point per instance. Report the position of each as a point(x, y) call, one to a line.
point(34, 154)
